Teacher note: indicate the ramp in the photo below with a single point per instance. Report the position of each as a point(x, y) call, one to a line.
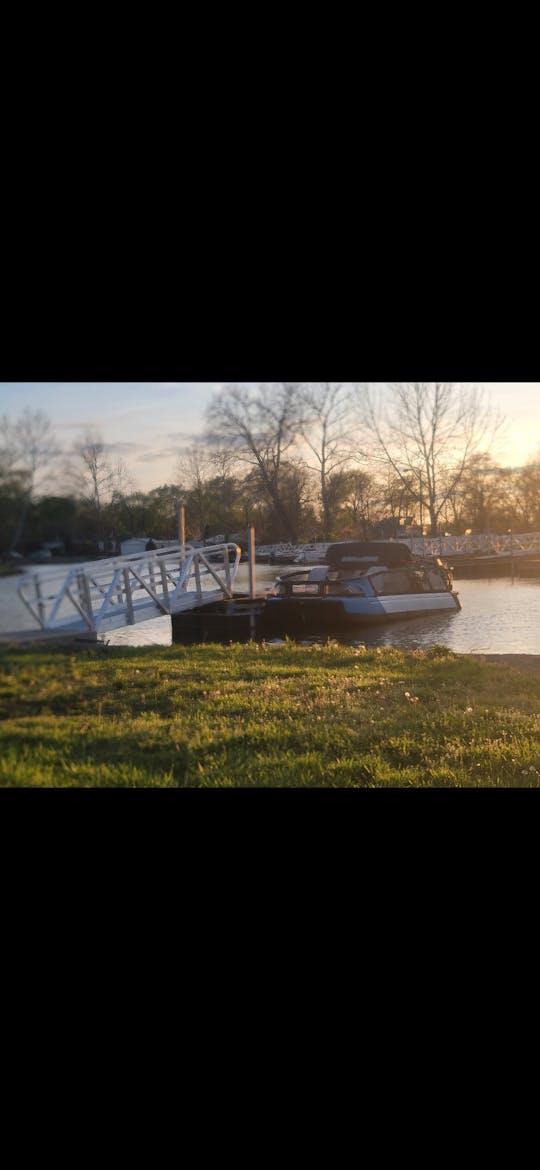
point(106, 595)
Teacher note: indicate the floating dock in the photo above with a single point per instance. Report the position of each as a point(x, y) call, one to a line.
point(239, 619)
point(521, 564)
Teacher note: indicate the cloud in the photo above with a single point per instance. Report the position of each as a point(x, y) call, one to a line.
point(123, 448)
point(73, 426)
point(182, 436)
point(154, 456)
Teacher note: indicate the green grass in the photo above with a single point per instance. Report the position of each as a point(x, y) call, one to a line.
point(250, 716)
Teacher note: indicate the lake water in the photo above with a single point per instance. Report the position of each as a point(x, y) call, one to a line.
point(498, 617)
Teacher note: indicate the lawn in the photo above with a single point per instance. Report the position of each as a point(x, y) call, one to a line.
point(262, 716)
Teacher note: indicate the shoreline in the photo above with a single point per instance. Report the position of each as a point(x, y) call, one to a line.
point(33, 637)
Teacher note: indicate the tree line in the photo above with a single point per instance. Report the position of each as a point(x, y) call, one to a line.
point(302, 461)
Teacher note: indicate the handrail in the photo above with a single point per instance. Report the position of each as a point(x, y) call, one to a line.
point(126, 590)
point(484, 542)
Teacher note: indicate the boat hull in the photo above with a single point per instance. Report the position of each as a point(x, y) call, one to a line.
point(317, 615)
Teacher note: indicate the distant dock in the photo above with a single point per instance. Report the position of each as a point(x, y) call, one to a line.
point(500, 565)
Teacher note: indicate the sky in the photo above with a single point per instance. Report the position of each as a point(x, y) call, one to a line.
point(147, 423)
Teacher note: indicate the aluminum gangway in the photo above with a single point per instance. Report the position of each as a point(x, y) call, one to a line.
point(105, 595)
point(484, 543)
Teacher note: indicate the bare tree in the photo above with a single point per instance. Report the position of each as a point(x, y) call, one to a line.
point(100, 478)
point(7, 453)
point(325, 426)
point(194, 472)
point(429, 432)
point(260, 427)
point(27, 449)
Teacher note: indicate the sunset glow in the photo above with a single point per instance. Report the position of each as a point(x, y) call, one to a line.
point(146, 424)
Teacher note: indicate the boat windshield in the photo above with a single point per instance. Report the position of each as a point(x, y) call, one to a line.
point(291, 582)
point(431, 579)
point(349, 587)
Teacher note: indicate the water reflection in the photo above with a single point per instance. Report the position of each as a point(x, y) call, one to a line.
point(498, 617)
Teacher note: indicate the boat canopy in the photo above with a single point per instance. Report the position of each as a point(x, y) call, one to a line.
point(366, 553)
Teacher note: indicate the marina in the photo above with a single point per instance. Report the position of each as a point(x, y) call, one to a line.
point(358, 584)
point(499, 616)
point(382, 632)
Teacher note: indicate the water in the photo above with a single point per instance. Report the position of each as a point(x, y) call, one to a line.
point(498, 617)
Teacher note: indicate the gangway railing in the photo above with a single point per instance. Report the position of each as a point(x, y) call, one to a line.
point(106, 595)
point(483, 543)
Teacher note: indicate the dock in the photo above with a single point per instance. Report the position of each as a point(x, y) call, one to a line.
point(89, 601)
point(520, 564)
point(240, 619)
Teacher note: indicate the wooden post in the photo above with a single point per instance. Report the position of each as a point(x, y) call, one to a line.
point(129, 598)
point(182, 530)
point(251, 559)
point(181, 524)
point(41, 607)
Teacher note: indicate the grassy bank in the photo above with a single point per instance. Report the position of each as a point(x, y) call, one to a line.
point(227, 716)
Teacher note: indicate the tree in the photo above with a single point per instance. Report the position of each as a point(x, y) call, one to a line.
point(295, 491)
point(27, 449)
point(484, 500)
point(357, 493)
point(52, 518)
point(195, 472)
point(259, 427)
point(429, 432)
point(153, 513)
point(100, 479)
point(527, 496)
point(325, 427)
point(397, 500)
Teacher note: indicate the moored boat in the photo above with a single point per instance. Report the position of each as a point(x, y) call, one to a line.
point(360, 584)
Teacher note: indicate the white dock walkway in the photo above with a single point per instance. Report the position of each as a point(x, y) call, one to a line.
point(101, 596)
